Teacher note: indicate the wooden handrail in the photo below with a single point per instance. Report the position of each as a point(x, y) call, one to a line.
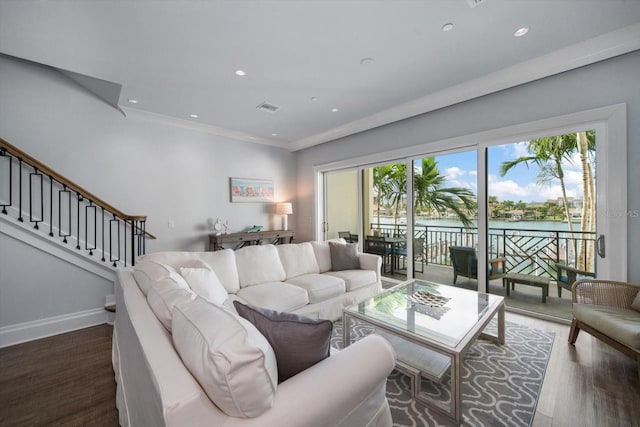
point(16, 152)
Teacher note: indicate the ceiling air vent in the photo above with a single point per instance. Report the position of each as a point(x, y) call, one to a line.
point(474, 3)
point(265, 106)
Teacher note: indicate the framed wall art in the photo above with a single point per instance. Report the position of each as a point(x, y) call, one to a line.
point(244, 190)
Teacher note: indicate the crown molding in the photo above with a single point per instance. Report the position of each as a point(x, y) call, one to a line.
point(596, 49)
point(135, 113)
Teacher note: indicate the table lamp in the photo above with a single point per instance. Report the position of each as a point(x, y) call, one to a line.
point(284, 209)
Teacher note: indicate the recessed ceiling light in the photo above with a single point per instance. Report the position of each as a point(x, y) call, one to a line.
point(334, 110)
point(447, 27)
point(521, 32)
point(274, 134)
point(193, 116)
point(133, 101)
point(240, 73)
point(314, 98)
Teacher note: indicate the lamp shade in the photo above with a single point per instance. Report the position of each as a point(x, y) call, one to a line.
point(284, 208)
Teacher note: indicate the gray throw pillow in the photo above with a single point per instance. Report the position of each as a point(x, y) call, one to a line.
point(344, 256)
point(298, 342)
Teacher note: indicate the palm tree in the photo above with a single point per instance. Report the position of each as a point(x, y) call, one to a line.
point(381, 186)
point(428, 186)
point(548, 154)
point(430, 192)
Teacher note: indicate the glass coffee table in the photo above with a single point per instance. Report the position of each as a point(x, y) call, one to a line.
point(430, 326)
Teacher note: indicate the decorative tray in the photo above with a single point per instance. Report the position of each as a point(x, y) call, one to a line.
point(428, 299)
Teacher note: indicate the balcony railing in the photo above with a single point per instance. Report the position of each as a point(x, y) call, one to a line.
point(33, 193)
point(530, 251)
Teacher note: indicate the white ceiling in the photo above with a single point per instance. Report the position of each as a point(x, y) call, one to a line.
point(178, 57)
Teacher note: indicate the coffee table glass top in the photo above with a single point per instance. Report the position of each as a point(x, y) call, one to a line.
point(440, 313)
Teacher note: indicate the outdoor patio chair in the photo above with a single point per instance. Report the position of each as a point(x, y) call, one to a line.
point(465, 263)
point(418, 254)
point(377, 245)
point(346, 235)
point(610, 311)
point(567, 275)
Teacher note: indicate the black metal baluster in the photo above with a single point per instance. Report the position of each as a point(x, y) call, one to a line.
point(60, 233)
point(111, 223)
point(87, 208)
point(36, 173)
point(79, 199)
point(50, 206)
point(124, 231)
point(102, 222)
point(3, 153)
point(20, 190)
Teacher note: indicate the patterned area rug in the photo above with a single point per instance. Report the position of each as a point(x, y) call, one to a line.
point(500, 385)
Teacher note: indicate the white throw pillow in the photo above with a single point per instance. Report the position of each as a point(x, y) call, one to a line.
point(259, 264)
point(166, 294)
point(228, 356)
point(298, 259)
point(205, 282)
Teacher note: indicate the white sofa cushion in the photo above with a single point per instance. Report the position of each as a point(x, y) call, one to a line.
point(298, 259)
point(148, 272)
point(205, 282)
point(275, 295)
point(319, 287)
point(224, 264)
point(355, 279)
point(259, 264)
point(323, 253)
point(232, 361)
point(165, 294)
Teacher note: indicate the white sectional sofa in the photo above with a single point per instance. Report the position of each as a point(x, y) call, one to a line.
point(295, 278)
point(157, 384)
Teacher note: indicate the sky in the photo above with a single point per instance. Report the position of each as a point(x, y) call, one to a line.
point(518, 184)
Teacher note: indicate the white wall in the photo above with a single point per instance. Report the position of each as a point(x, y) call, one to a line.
point(142, 167)
point(606, 83)
point(139, 166)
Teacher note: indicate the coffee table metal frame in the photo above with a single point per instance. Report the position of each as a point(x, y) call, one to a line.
point(455, 353)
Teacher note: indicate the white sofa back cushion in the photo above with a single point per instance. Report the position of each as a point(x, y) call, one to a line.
point(232, 361)
point(148, 272)
point(165, 294)
point(298, 259)
point(222, 262)
point(205, 282)
point(259, 264)
point(323, 253)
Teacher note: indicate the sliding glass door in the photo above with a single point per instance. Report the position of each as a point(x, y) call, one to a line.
point(498, 209)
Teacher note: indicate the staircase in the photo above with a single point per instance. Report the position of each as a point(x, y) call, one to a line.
point(60, 246)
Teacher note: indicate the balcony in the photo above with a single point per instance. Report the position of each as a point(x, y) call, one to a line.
point(532, 251)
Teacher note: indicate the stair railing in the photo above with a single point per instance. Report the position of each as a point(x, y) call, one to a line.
point(30, 190)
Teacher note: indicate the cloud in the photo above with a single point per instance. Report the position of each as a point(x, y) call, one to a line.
point(453, 173)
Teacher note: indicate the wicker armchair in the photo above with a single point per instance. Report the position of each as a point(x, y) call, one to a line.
point(603, 309)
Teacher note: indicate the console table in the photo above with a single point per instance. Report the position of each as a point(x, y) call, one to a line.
point(244, 239)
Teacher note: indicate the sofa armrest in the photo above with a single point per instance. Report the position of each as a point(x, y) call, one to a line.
point(371, 262)
point(330, 392)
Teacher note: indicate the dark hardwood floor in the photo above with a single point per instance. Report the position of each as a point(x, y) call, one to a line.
point(67, 380)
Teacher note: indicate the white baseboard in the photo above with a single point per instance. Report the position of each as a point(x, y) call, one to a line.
point(28, 331)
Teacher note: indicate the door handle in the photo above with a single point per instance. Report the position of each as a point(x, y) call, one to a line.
point(600, 246)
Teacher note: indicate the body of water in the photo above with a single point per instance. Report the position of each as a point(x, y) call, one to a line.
point(511, 225)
